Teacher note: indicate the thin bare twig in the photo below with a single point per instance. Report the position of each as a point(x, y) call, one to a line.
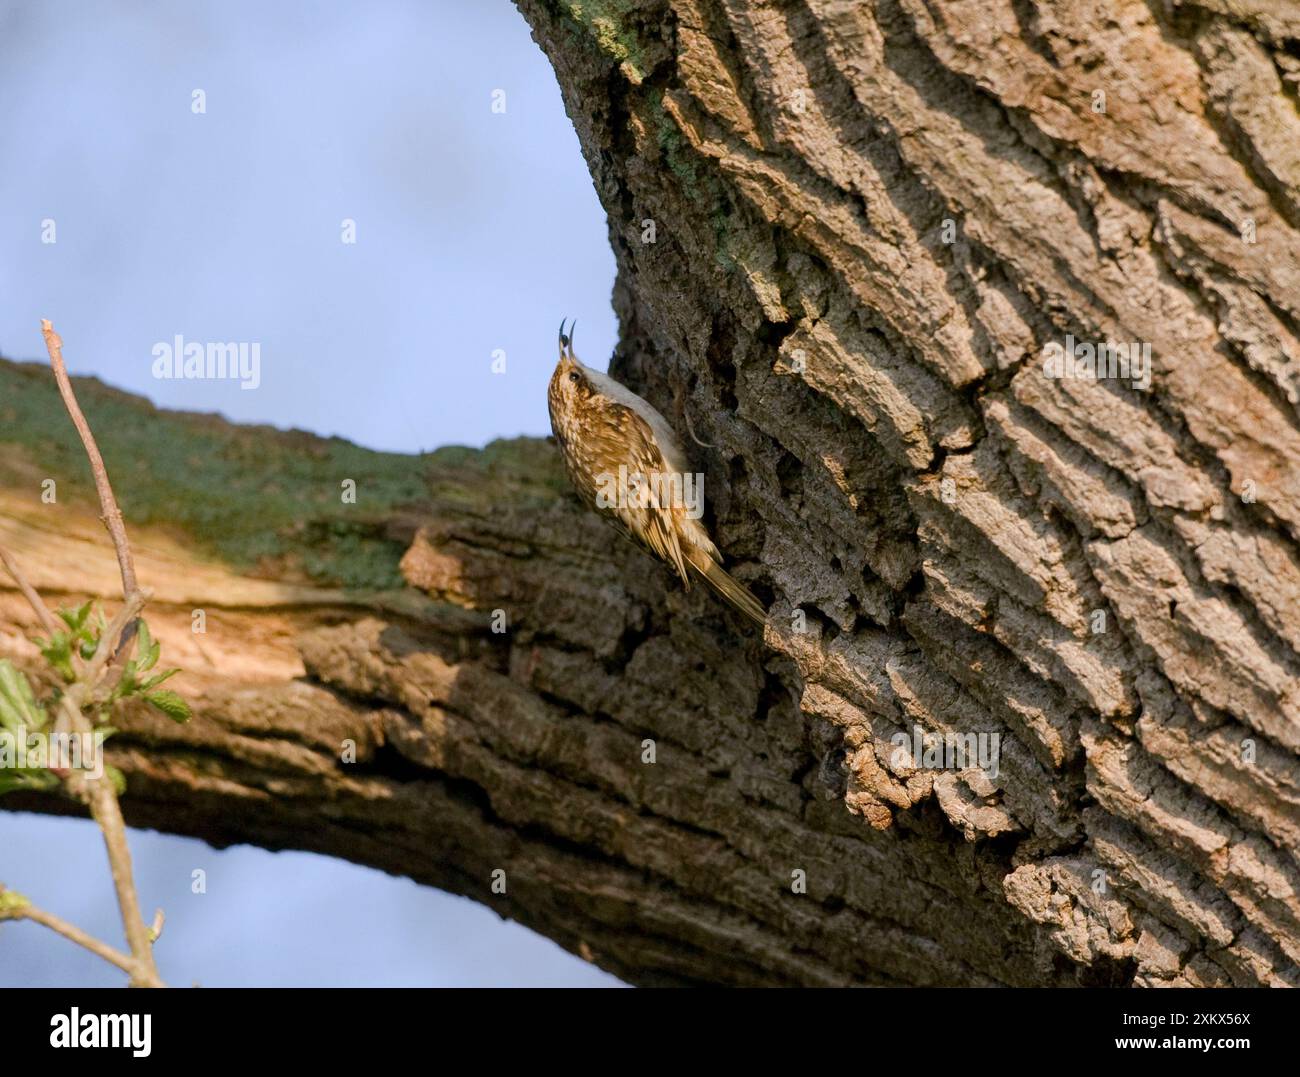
point(98, 793)
point(100, 797)
point(108, 814)
point(73, 933)
point(43, 613)
point(112, 515)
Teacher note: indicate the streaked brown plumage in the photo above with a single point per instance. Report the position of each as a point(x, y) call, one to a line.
point(601, 426)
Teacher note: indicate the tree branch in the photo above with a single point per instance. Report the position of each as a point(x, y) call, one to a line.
point(98, 792)
point(1097, 575)
point(111, 514)
point(43, 614)
point(26, 911)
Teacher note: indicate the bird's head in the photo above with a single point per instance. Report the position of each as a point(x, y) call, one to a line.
point(569, 383)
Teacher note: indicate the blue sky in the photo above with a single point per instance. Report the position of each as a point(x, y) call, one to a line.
point(475, 231)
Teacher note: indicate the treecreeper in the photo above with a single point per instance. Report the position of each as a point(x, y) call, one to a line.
point(627, 464)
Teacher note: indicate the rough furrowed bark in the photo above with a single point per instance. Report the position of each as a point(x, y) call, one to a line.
point(868, 220)
point(845, 232)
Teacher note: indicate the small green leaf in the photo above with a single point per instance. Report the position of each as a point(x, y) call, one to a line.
point(74, 619)
point(117, 778)
point(19, 711)
point(150, 649)
point(158, 678)
point(27, 778)
point(170, 704)
point(57, 651)
point(11, 900)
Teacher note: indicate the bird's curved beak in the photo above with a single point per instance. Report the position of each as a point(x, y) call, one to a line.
point(566, 342)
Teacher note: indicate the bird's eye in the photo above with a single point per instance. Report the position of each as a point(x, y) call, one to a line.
point(574, 377)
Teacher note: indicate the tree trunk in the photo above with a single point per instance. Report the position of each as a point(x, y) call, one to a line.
point(848, 235)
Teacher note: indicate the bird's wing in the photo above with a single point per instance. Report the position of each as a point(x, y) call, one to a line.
point(658, 523)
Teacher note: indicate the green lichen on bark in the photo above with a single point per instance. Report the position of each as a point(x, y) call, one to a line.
point(264, 501)
point(607, 22)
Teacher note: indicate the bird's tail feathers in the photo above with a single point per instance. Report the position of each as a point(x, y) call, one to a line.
point(730, 588)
